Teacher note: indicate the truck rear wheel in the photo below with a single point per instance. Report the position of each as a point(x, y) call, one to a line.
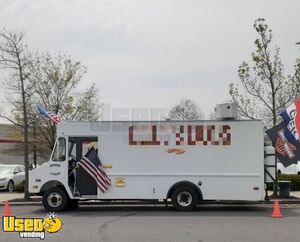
point(55, 199)
point(184, 198)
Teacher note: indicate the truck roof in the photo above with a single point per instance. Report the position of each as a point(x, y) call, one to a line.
point(166, 121)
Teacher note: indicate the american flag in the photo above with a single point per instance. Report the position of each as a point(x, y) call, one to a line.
point(54, 117)
point(92, 165)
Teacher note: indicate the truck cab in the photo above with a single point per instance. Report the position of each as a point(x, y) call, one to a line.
point(61, 181)
point(50, 179)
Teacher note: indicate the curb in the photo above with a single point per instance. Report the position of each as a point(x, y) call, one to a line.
point(21, 203)
point(284, 201)
point(281, 201)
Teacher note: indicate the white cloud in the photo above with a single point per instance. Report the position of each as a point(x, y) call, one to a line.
point(151, 53)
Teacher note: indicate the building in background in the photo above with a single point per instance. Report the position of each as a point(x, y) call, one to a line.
point(11, 146)
point(8, 141)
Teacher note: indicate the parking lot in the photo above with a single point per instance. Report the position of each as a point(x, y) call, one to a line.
point(213, 223)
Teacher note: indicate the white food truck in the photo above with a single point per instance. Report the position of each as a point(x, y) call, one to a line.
point(183, 162)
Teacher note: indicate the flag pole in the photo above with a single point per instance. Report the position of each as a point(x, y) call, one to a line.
point(276, 178)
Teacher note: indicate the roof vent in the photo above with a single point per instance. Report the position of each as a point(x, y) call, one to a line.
point(226, 111)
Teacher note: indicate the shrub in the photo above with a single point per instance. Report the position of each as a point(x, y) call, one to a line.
point(20, 187)
point(295, 179)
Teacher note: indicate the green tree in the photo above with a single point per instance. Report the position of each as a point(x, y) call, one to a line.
point(265, 89)
point(57, 80)
point(49, 81)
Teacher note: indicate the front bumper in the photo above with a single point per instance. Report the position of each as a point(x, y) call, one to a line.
point(3, 184)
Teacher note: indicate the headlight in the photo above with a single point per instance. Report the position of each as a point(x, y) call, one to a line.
point(3, 179)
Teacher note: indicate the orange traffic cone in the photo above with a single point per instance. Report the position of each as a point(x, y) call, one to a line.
point(276, 211)
point(6, 210)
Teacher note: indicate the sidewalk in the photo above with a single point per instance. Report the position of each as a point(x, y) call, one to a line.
point(295, 194)
point(5, 196)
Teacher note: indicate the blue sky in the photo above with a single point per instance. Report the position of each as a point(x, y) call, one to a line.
point(149, 54)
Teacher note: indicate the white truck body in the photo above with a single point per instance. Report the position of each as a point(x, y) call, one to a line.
point(223, 159)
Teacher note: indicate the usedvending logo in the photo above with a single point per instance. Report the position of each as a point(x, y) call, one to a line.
point(32, 227)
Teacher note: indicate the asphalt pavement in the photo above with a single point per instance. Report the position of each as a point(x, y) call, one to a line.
point(209, 223)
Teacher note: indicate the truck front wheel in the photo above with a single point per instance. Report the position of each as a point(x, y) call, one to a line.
point(55, 199)
point(184, 198)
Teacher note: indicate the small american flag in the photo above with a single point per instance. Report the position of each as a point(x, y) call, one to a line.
point(54, 117)
point(92, 165)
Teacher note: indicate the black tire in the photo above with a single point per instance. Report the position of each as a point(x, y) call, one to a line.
point(184, 198)
point(10, 186)
point(72, 204)
point(55, 199)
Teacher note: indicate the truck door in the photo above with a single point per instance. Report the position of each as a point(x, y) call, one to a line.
point(80, 182)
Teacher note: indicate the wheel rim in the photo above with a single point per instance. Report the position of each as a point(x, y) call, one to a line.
point(10, 187)
point(54, 199)
point(184, 199)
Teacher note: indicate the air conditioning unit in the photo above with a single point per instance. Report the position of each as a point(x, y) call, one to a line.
point(226, 111)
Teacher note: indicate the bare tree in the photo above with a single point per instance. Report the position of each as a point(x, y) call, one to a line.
point(265, 89)
point(17, 60)
point(186, 110)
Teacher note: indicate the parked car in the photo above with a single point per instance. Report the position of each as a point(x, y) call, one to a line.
point(11, 175)
point(293, 169)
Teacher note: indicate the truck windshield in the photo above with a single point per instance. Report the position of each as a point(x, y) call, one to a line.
point(59, 153)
